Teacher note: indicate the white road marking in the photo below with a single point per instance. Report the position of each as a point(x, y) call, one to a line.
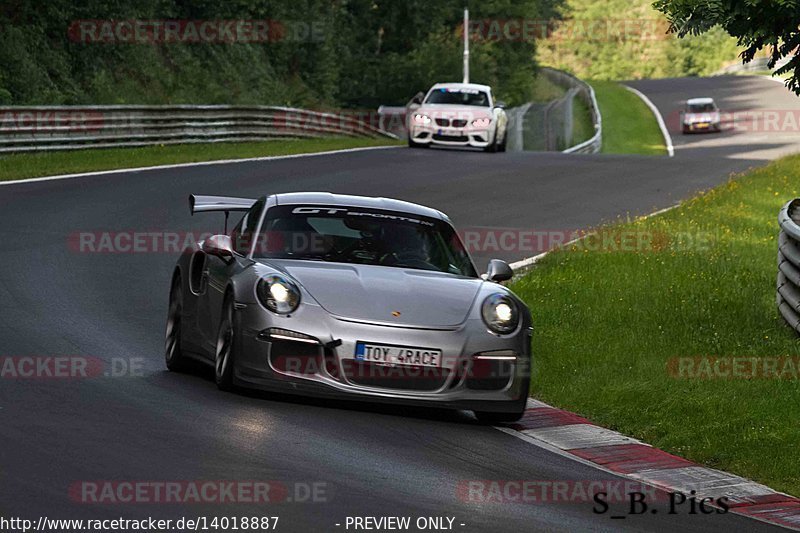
point(577, 436)
point(659, 119)
point(524, 263)
point(706, 481)
point(195, 164)
point(558, 451)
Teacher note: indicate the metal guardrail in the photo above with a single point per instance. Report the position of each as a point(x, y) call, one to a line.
point(36, 128)
point(586, 93)
point(757, 64)
point(788, 294)
point(549, 126)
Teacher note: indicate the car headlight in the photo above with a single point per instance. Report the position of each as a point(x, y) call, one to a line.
point(278, 294)
point(481, 122)
point(500, 313)
point(422, 119)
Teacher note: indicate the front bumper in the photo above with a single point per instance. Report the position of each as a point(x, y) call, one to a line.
point(329, 369)
point(448, 136)
point(701, 126)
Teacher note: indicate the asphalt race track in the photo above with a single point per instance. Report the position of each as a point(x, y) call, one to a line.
point(760, 119)
point(374, 461)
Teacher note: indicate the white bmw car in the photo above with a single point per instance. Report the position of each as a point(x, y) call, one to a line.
point(701, 114)
point(458, 114)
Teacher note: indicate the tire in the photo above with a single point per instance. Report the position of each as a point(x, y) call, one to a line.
point(502, 147)
point(174, 357)
point(224, 353)
point(412, 144)
point(491, 417)
point(486, 417)
point(492, 148)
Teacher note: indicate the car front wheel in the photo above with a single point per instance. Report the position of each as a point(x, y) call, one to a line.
point(516, 412)
point(502, 146)
point(486, 417)
point(173, 354)
point(492, 147)
point(223, 360)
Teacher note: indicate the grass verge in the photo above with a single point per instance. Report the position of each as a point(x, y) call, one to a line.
point(582, 125)
point(30, 165)
point(629, 126)
point(608, 325)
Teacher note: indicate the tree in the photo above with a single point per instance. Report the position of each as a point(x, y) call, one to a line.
point(351, 53)
point(757, 24)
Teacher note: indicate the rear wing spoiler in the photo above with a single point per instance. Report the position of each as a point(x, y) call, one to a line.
point(225, 204)
point(202, 204)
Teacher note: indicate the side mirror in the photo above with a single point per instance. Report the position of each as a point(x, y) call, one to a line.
point(219, 245)
point(499, 271)
point(500, 104)
point(417, 99)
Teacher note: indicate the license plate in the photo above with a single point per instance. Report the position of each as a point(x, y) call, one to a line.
point(392, 355)
point(702, 124)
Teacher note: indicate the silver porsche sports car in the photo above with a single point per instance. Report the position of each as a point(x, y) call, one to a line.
point(349, 297)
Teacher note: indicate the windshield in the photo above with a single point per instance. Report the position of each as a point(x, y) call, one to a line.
point(362, 236)
point(458, 97)
point(701, 108)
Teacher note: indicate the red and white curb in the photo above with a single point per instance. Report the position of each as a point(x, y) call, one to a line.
point(575, 437)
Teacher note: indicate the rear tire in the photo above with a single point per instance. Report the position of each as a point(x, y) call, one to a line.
point(174, 357)
point(224, 355)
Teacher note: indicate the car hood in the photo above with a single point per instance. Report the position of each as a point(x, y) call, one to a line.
point(377, 293)
point(451, 111)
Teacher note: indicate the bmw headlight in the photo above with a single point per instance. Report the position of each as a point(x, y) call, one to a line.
point(278, 294)
point(500, 313)
point(422, 119)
